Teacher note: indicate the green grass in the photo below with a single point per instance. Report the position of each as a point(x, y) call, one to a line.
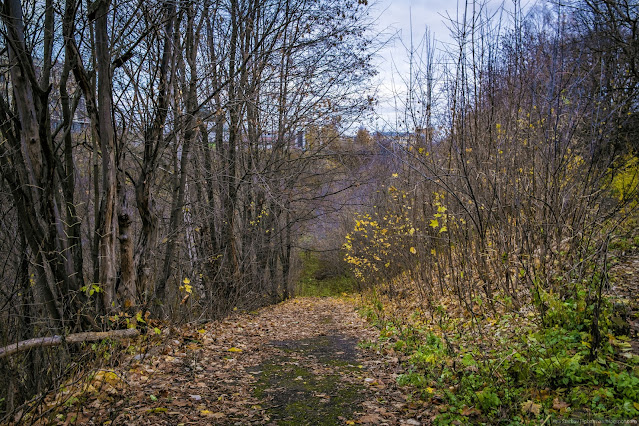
point(309, 286)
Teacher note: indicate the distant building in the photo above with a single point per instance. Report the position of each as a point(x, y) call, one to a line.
point(388, 141)
point(80, 120)
point(266, 139)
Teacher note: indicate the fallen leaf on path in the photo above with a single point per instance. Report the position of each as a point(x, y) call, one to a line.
point(212, 415)
point(370, 418)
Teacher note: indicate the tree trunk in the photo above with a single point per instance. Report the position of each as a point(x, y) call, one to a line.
point(107, 222)
point(127, 266)
point(153, 147)
point(190, 101)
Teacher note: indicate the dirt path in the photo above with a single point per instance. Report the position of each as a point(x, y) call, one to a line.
point(625, 296)
point(294, 363)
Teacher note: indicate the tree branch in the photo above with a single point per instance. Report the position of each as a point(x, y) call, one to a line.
point(71, 338)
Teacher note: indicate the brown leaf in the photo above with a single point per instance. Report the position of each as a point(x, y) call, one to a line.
point(470, 411)
point(560, 405)
point(370, 418)
point(212, 415)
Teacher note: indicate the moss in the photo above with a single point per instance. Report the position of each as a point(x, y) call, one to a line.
point(279, 373)
point(326, 320)
point(319, 411)
point(300, 395)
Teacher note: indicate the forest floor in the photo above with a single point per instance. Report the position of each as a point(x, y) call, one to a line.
point(316, 361)
point(294, 363)
point(625, 292)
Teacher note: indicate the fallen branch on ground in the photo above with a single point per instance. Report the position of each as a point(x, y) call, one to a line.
point(71, 338)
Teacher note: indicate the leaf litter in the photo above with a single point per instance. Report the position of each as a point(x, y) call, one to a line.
point(294, 363)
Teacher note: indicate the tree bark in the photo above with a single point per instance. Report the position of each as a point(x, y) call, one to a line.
point(107, 223)
point(127, 265)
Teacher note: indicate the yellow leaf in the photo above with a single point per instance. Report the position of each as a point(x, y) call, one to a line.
point(186, 281)
point(188, 288)
point(530, 407)
point(202, 331)
point(412, 250)
point(443, 229)
point(213, 415)
point(350, 422)
point(430, 390)
point(107, 377)
point(395, 175)
point(636, 404)
point(434, 223)
point(234, 349)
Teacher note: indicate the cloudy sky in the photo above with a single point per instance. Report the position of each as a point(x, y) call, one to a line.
point(431, 13)
point(394, 17)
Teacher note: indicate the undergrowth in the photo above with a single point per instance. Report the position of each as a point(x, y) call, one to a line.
point(509, 368)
